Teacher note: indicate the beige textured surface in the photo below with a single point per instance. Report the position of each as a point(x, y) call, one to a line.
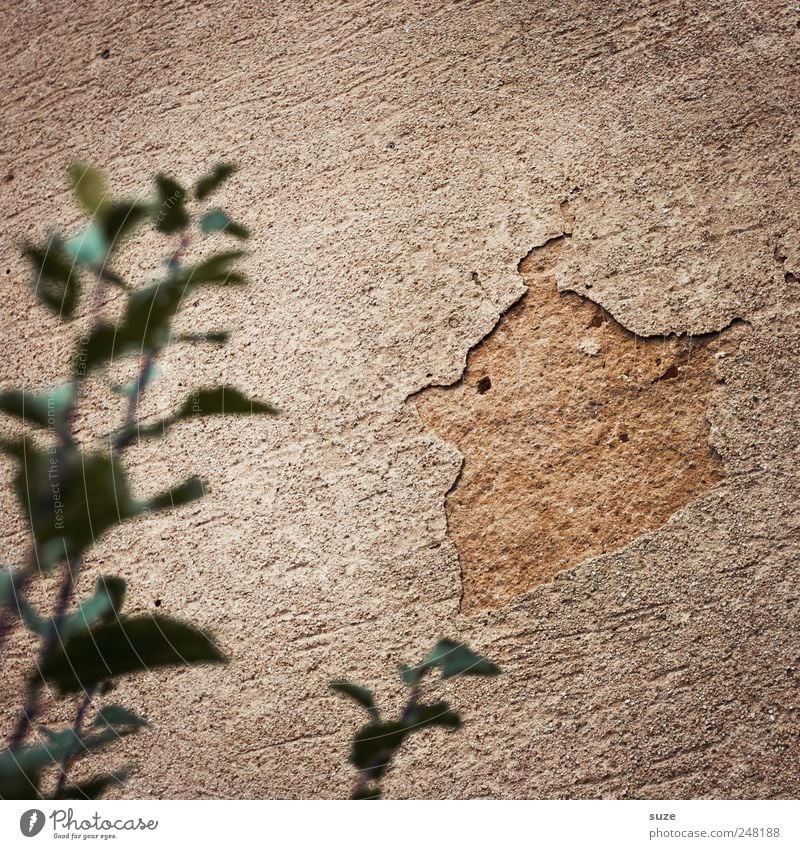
point(398, 160)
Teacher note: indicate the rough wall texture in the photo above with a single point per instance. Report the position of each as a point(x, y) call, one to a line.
point(397, 162)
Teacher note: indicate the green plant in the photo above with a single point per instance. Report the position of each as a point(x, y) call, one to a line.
point(376, 743)
point(72, 493)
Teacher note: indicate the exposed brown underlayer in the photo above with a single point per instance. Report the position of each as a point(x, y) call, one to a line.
point(578, 436)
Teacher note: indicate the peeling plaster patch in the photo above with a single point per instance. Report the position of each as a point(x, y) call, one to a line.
point(578, 436)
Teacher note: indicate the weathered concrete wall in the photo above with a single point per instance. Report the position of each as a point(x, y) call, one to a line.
point(398, 160)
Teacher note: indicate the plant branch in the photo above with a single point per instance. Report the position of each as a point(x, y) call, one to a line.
point(30, 709)
point(77, 727)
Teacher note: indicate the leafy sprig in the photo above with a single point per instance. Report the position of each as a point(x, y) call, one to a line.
point(377, 742)
point(72, 495)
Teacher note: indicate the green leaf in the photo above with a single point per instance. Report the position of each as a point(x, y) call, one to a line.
point(210, 182)
point(221, 400)
point(144, 328)
point(7, 586)
point(13, 599)
point(360, 694)
point(105, 604)
point(90, 187)
point(126, 646)
point(45, 410)
point(215, 269)
point(437, 714)
point(116, 716)
point(21, 766)
point(170, 213)
point(93, 788)
point(412, 675)
point(89, 247)
point(55, 277)
point(119, 219)
point(71, 499)
point(33, 621)
point(375, 744)
point(458, 659)
point(218, 221)
point(210, 401)
point(190, 490)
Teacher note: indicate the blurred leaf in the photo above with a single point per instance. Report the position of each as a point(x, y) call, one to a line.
point(458, 659)
point(218, 221)
point(210, 182)
point(221, 400)
point(90, 187)
point(375, 744)
point(367, 793)
point(412, 675)
point(33, 621)
point(190, 490)
point(88, 247)
point(13, 599)
point(116, 716)
point(170, 214)
point(45, 410)
point(119, 219)
point(71, 499)
point(112, 277)
point(7, 588)
point(215, 269)
point(360, 694)
point(144, 328)
point(55, 277)
point(105, 604)
point(126, 646)
point(21, 767)
point(212, 401)
point(93, 788)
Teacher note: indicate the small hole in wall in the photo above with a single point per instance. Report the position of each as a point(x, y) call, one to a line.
point(104, 54)
point(623, 437)
point(158, 602)
point(670, 374)
point(484, 385)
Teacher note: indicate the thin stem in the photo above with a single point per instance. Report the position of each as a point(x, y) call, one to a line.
point(31, 707)
point(77, 727)
point(19, 581)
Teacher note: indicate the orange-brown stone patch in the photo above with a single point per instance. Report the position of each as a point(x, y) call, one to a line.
point(577, 435)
